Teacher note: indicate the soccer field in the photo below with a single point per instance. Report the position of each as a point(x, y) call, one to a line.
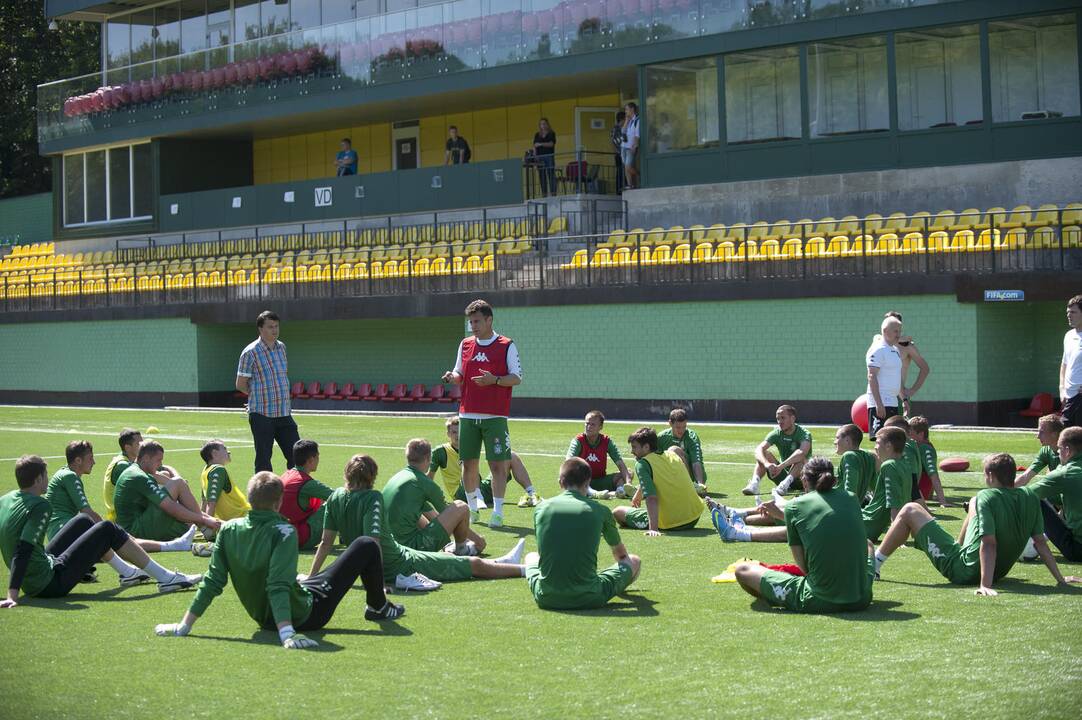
point(675, 646)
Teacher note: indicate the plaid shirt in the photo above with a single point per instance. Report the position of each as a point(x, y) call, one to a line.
point(268, 388)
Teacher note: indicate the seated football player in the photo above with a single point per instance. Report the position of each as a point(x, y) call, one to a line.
point(129, 442)
point(154, 511)
point(303, 495)
point(563, 573)
point(418, 514)
point(222, 497)
point(52, 571)
point(857, 467)
point(679, 435)
point(259, 553)
point(793, 444)
point(672, 503)
point(1000, 521)
point(597, 449)
point(928, 481)
point(445, 460)
point(356, 509)
point(826, 536)
point(892, 484)
point(66, 494)
point(1048, 429)
point(1063, 528)
point(910, 458)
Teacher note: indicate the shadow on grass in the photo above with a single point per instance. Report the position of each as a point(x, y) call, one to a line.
point(51, 603)
point(693, 532)
point(878, 611)
point(388, 629)
point(115, 594)
point(270, 638)
point(629, 605)
point(1012, 586)
point(505, 529)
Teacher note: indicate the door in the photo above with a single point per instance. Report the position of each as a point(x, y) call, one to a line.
point(405, 153)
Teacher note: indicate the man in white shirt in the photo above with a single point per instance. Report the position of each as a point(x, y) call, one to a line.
point(1070, 369)
point(884, 362)
point(629, 148)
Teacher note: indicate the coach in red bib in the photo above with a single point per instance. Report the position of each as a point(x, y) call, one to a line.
point(487, 367)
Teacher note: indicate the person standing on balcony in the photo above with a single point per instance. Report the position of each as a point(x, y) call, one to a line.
point(1070, 369)
point(262, 375)
point(458, 150)
point(346, 159)
point(629, 149)
point(617, 138)
point(544, 149)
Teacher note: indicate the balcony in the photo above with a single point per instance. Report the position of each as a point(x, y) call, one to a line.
point(424, 42)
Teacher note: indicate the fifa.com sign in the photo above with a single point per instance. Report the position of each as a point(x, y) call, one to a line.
point(1004, 295)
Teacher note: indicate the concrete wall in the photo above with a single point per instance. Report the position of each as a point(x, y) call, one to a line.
point(956, 187)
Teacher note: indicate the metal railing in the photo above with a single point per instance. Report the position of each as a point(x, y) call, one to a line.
point(583, 172)
point(426, 41)
point(913, 245)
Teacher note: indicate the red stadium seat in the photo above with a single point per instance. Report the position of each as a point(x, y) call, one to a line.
point(433, 395)
point(364, 392)
point(379, 393)
point(1041, 404)
point(318, 393)
point(454, 394)
point(297, 389)
point(349, 392)
point(332, 391)
point(415, 394)
point(397, 394)
point(311, 391)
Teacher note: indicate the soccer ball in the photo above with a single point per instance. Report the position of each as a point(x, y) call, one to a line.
point(1030, 553)
point(152, 430)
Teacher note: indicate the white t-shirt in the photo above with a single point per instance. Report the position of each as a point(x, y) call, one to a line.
point(1072, 360)
point(889, 361)
point(631, 133)
point(514, 367)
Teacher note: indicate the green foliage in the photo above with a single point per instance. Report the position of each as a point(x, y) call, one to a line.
point(32, 55)
point(674, 646)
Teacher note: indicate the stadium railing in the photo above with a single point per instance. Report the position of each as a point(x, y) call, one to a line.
point(583, 172)
point(907, 245)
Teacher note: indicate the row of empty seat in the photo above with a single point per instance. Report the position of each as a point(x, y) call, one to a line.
point(381, 392)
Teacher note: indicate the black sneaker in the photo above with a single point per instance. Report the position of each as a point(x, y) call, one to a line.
point(390, 611)
point(90, 577)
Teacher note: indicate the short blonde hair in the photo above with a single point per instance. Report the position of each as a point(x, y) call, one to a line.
point(417, 449)
point(264, 490)
point(451, 421)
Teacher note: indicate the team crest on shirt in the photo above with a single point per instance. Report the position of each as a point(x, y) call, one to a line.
point(780, 591)
point(480, 357)
point(285, 528)
point(934, 551)
point(592, 458)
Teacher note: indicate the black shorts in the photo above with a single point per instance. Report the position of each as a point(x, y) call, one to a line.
point(874, 423)
point(1072, 411)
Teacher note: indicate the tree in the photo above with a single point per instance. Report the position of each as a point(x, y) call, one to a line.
point(31, 54)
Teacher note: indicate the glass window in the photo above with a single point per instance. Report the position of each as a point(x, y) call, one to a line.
point(274, 16)
point(847, 86)
point(219, 31)
point(762, 95)
point(119, 183)
point(117, 42)
point(193, 26)
point(304, 14)
point(1034, 67)
point(246, 16)
point(166, 31)
point(335, 11)
point(142, 36)
point(142, 181)
point(73, 189)
point(682, 105)
point(95, 186)
point(939, 77)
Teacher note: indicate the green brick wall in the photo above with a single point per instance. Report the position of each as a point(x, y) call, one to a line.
point(1020, 347)
point(30, 217)
point(117, 356)
point(809, 349)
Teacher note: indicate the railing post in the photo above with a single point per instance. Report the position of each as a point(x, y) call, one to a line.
point(638, 256)
point(409, 270)
point(541, 262)
point(368, 263)
point(294, 277)
point(1059, 234)
point(993, 239)
point(747, 259)
point(927, 245)
point(863, 241)
point(589, 282)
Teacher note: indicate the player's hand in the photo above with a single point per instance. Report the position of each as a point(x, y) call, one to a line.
point(986, 591)
point(772, 469)
point(8, 603)
point(881, 413)
point(636, 501)
point(171, 630)
point(1071, 580)
point(299, 642)
point(652, 533)
point(212, 522)
point(448, 377)
point(770, 507)
point(485, 378)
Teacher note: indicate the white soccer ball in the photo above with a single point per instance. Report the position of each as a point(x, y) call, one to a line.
point(1030, 553)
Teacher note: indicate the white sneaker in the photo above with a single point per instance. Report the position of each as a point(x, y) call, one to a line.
point(415, 583)
point(621, 492)
point(481, 504)
point(467, 549)
point(137, 578)
point(783, 487)
point(752, 488)
point(180, 581)
point(515, 556)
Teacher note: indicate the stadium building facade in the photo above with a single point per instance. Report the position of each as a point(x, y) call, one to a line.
point(219, 121)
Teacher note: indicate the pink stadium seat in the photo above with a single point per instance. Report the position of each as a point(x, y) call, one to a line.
point(1041, 404)
point(349, 392)
point(454, 394)
point(433, 395)
point(231, 75)
point(380, 392)
point(315, 390)
point(305, 59)
point(415, 394)
point(297, 389)
point(332, 392)
point(362, 392)
point(397, 394)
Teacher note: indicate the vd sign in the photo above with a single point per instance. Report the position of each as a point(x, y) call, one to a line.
point(323, 197)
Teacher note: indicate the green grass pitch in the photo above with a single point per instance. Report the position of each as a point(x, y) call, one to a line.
point(675, 646)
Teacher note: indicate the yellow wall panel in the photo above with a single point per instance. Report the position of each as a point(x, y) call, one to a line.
point(381, 164)
point(280, 153)
point(432, 132)
point(489, 151)
point(263, 177)
point(298, 151)
point(280, 174)
point(489, 126)
point(361, 137)
point(561, 115)
point(609, 100)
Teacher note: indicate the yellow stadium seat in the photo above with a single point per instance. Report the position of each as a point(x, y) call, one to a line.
point(622, 257)
point(658, 256)
point(938, 242)
point(825, 228)
point(675, 236)
point(681, 254)
point(838, 247)
point(768, 250)
point(724, 251)
point(697, 234)
point(1072, 214)
point(578, 260)
point(716, 233)
point(602, 258)
point(887, 244)
point(855, 248)
point(791, 249)
point(704, 253)
point(758, 231)
point(736, 233)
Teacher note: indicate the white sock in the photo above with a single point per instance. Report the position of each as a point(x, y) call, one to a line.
point(755, 478)
point(529, 490)
point(157, 572)
point(789, 480)
point(123, 569)
point(497, 506)
point(471, 500)
point(880, 558)
point(180, 544)
point(515, 556)
point(740, 513)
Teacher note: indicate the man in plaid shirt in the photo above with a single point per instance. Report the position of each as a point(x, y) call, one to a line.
point(262, 375)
